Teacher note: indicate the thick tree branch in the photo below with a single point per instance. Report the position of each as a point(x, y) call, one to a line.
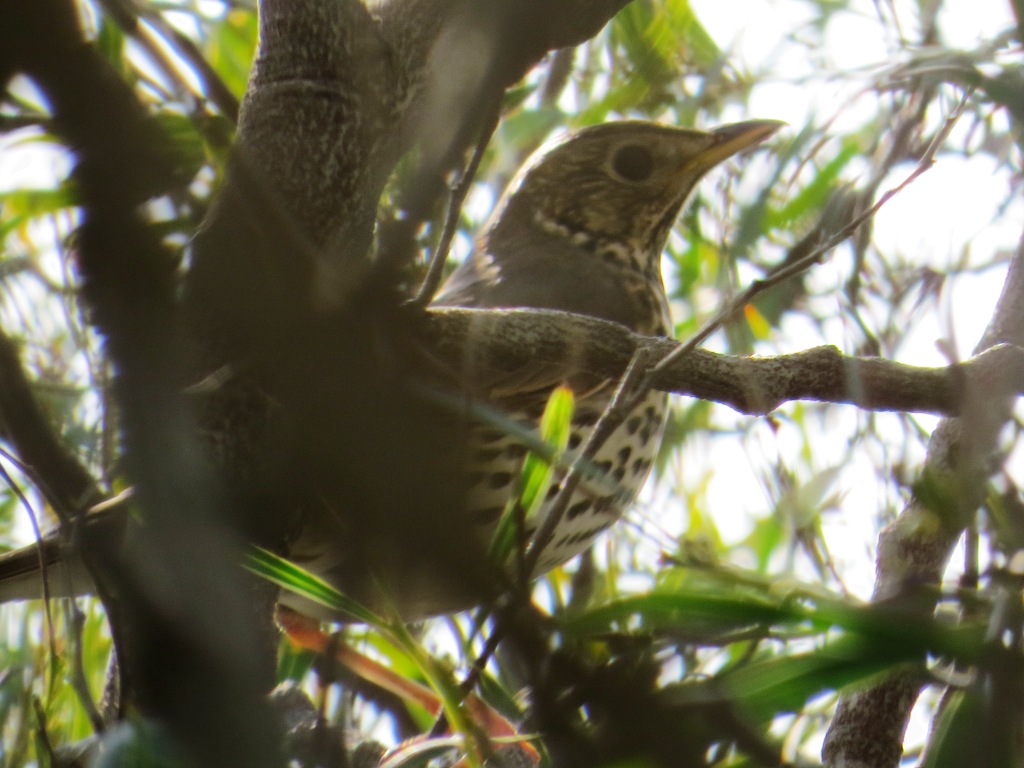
point(501, 342)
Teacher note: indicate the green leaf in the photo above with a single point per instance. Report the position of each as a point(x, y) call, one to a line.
point(293, 663)
point(30, 203)
point(706, 603)
point(701, 613)
point(292, 577)
point(555, 430)
point(230, 48)
point(785, 683)
point(538, 470)
point(972, 729)
point(110, 43)
point(188, 147)
point(660, 37)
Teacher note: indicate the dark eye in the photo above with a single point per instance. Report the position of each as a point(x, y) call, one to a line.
point(633, 162)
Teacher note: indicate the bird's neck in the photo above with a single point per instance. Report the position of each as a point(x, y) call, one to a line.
point(640, 256)
point(638, 251)
point(630, 271)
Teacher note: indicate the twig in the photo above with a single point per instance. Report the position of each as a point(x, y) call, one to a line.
point(506, 340)
point(76, 621)
point(34, 521)
point(432, 279)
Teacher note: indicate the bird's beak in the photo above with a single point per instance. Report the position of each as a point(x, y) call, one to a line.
point(733, 138)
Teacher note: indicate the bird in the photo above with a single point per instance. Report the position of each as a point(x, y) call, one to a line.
point(581, 228)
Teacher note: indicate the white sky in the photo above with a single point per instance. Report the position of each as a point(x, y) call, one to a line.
point(933, 222)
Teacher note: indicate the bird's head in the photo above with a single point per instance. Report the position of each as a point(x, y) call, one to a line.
point(622, 182)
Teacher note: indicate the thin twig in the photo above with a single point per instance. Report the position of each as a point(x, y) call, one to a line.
point(34, 520)
point(76, 621)
point(432, 280)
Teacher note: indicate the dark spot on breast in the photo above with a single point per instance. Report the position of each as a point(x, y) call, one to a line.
point(645, 434)
point(553, 491)
point(581, 536)
point(487, 515)
point(578, 509)
point(633, 424)
point(487, 454)
point(499, 479)
point(623, 455)
point(603, 466)
point(515, 451)
point(574, 441)
point(619, 473)
point(641, 465)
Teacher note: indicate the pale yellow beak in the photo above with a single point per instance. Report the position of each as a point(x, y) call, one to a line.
point(733, 138)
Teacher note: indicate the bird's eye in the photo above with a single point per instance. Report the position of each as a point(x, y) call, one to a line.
point(633, 162)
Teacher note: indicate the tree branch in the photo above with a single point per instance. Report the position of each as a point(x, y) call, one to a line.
point(867, 731)
point(500, 342)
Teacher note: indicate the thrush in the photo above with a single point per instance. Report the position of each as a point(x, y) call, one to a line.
point(581, 228)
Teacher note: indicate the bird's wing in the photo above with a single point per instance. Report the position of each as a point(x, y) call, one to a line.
point(483, 282)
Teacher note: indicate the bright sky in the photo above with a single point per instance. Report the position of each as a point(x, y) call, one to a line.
point(932, 222)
